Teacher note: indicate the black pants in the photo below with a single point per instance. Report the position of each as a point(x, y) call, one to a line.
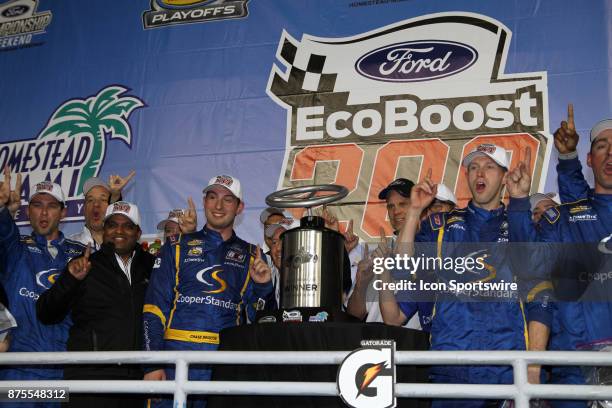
point(100, 373)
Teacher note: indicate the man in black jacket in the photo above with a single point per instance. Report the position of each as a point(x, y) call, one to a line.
point(105, 294)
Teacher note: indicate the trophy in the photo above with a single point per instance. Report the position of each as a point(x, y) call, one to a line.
point(312, 257)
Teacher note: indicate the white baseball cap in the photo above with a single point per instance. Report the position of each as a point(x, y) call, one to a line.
point(498, 154)
point(229, 182)
point(123, 208)
point(266, 213)
point(47, 187)
point(445, 194)
point(173, 216)
point(535, 198)
point(599, 127)
point(272, 228)
point(94, 182)
point(286, 223)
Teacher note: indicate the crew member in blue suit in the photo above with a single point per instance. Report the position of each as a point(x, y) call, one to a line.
point(204, 282)
point(31, 265)
point(477, 320)
point(583, 310)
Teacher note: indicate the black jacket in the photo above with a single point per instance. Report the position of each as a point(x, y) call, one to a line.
point(106, 310)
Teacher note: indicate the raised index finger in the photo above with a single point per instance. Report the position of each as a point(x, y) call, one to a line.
point(383, 235)
point(258, 254)
point(130, 176)
point(527, 160)
point(18, 184)
point(191, 204)
point(87, 251)
point(7, 175)
point(570, 116)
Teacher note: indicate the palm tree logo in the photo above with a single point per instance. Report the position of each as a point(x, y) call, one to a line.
point(99, 116)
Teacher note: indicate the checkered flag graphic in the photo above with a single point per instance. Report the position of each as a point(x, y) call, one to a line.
point(305, 74)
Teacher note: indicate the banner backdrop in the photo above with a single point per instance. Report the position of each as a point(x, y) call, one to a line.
point(289, 93)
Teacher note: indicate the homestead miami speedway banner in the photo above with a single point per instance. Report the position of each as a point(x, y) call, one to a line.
point(281, 94)
point(393, 102)
point(72, 146)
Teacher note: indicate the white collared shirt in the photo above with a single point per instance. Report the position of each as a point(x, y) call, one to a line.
point(52, 249)
point(126, 265)
point(84, 237)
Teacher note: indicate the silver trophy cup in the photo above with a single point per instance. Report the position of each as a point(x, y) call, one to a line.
point(312, 255)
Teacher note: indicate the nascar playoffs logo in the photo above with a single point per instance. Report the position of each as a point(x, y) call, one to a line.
point(19, 21)
point(72, 146)
point(172, 12)
point(367, 109)
point(366, 377)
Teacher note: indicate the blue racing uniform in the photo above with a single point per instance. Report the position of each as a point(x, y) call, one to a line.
point(28, 270)
point(572, 185)
point(494, 320)
point(199, 286)
point(586, 316)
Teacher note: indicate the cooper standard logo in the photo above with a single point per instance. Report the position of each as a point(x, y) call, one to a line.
point(19, 22)
point(173, 12)
point(366, 109)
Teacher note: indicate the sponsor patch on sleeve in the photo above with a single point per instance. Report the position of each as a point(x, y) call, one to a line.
point(552, 215)
point(437, 221)
point(234, 255)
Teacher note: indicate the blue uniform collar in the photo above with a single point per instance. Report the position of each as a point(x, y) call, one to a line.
point(40, 240)
point(602, 198)
point(215, 237)
point(483, 215)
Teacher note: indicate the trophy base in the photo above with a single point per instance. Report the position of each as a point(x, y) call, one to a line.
point(304, 315)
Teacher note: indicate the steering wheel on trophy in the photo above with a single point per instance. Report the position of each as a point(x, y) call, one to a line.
point(307, 196)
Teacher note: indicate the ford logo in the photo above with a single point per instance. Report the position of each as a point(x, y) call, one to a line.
point(15, 11)
point(415, 61)
point(183, 4)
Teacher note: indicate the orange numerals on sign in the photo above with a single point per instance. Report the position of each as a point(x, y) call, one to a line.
point(433, 153)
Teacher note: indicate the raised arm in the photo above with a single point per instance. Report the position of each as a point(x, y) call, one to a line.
point(55, 303)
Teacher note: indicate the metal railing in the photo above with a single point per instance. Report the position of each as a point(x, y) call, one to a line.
point(521, 391)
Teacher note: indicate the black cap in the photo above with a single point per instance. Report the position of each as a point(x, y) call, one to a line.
point(401, 185)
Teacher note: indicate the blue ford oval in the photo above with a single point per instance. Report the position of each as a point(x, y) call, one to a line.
point(415, 61)
point(15, 11)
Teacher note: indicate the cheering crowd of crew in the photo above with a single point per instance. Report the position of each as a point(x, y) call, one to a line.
point(99, 290)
